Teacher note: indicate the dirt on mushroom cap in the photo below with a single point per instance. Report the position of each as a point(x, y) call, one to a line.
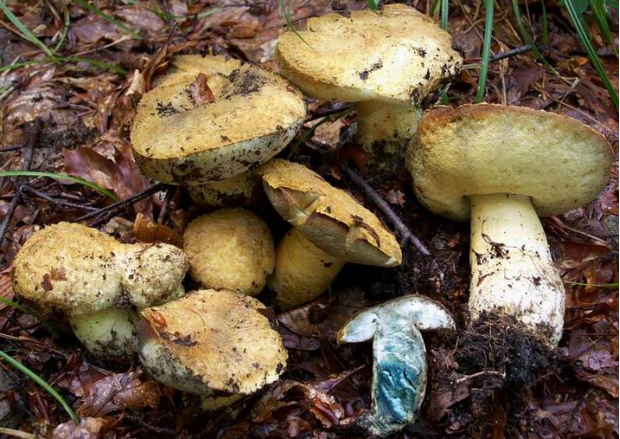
point(395, 55)
point(249, 115)
point(329, 217)
point(230, 249)
point(559, 162)
point(222, 338)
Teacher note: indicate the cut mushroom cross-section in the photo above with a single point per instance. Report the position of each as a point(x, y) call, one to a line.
point(211, 341)
point(391, 60)
point(330, 228)
point(213, 118)
point(502, 167)
point(399, 354)
point(96, 281)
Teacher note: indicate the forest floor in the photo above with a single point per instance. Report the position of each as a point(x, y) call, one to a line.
point(68, 112)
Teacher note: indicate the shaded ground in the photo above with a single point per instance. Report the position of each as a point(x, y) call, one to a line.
point(86, 103)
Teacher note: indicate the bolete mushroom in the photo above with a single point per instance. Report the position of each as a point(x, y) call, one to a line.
point(211, 342)
point(244, 190)
point(96, 281)
point(230, 249)
point(503, 167)
point(399, 354)
point(213, 118)
point(330, 228)
point(392, 59)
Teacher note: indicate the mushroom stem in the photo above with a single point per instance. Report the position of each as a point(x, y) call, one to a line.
point(384, 130)
point(110, 333)
point(512, 268)
point(241, 190)
point(303, 271)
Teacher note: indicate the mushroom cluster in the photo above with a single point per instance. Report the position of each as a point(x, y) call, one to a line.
point(97, 282)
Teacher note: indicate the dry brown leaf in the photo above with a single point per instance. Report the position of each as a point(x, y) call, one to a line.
point(145, 230)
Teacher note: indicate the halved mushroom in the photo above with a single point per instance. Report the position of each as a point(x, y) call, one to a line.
point(399, 368)
point(502, 167)
point(391, 61)
point(211, 341)
point(330, 228)
point(213, 118)
point(96, 281)
point(230, 249)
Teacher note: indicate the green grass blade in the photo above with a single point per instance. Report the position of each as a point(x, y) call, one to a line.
point(486, 49)
point(41, 382)
point(610, 285)
point(85, 5)
point(445, 8)
point(65, 30)
point(431, 12)
point(24, 30)
point(580, 27)
point(71, 178)
point(545, 24)
point(289, 25)
point(528, 38)
point(373, 5)
point(600, 13)
point(27, 310)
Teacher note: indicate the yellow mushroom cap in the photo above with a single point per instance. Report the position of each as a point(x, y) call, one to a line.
point(329, 217)
point(211, 341)
point(230, 249)
point(68, 267)
point(492, 149)
point(251, 116)
point(80, 270)
point(396, 55)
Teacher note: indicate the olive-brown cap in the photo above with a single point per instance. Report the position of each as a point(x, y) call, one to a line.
point(211, 341)
point(230, 249)
point(492, 149)
point(329, 217)
point(395, 55)
point(213, 118)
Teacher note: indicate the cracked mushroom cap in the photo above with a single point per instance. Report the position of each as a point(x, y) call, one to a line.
point(211, 341)
point(213, 118)
point(492, 149)
point(396, 55)
point(80, 270)
point(329, 217)
point(230, 249)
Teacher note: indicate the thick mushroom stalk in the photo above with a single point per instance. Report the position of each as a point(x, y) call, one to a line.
point(303, 271)
point(512, 268)
point(384, 129)
point(399, 370)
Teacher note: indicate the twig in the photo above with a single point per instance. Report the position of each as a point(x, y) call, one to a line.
point(512, 52)
point(33, 139)
point(144, 424)
point(477, 374)
point(319, 114)
point(17, 433)
point(33, 191)
point(403, 230)
point(119, 205)
point(12, 148)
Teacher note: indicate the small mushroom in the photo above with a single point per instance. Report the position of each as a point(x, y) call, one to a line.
point(213, 118)
point(399, 368)
point(330, 228)
point(211, 341)
point(96, 281)
point(391, 61)
point(230, 249)
point(502, 167)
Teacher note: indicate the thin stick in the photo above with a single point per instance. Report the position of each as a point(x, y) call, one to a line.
point(119, 205)
point(17, 433)
point(33, 139)
point(403, 230)
point(33, 191)
point(512, 52)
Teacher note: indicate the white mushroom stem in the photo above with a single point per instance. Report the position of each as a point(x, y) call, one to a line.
point(512, 268)
point(109, 333)
point(303, 271)
point(385, 129)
